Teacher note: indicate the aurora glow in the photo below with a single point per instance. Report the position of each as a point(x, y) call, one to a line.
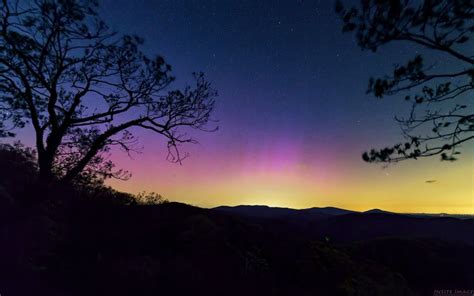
point(292, 110)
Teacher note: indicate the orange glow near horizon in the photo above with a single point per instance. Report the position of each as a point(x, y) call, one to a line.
point(282, 179)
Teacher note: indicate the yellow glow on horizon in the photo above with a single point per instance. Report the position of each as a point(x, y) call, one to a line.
point(398, 188)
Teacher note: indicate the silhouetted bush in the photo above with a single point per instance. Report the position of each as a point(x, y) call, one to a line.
point(18, 170)
point(149, 198)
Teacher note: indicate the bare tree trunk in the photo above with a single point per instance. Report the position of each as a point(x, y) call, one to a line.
point(45, 163)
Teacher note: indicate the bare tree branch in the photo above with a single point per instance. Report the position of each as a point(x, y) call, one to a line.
point(442, 115)
point(84, 88)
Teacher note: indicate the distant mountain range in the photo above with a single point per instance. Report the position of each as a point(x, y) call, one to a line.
point(263, 211)
point(340, 225)
point(275, 212)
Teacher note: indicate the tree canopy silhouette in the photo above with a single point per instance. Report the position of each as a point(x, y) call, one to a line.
point(441, 117)
point(83, 88)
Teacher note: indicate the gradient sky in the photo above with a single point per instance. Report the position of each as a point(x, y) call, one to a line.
point(293, 114)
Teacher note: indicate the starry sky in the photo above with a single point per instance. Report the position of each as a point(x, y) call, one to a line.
point(293, 114)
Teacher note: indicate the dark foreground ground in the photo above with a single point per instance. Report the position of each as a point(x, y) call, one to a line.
point(176, 249)
point(60, 241)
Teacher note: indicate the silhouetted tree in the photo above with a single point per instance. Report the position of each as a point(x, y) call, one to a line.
point(83, 89)
point(149, 198)
point(17, 167)
point(441, 118)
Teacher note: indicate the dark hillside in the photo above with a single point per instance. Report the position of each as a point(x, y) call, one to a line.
point(186, 250)
point(355, 227)
point(59, 240)
point(427, 264)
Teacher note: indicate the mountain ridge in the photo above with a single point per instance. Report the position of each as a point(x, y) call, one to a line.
point(256, 210)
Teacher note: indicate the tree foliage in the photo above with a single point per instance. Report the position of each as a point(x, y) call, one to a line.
point(442, 115)
point(83, 89)
point(17, 163)
point(149, 198)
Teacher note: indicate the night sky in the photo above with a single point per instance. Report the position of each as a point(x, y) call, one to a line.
point(293, 114)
